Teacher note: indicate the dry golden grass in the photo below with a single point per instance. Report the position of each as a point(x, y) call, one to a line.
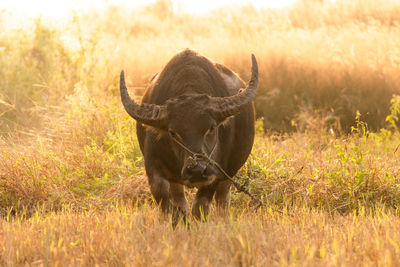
point(138, 236)
point(339, 199)
point(72, 185)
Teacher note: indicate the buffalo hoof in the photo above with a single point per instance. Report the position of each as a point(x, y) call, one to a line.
point(178, 216)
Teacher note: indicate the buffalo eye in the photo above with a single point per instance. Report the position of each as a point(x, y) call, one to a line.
point(212, 128)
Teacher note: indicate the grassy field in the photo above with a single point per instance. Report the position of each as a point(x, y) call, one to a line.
point(326, 157)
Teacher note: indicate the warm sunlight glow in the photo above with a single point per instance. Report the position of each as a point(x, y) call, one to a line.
point(57, 9)
point(307, 174)
point(206, 5)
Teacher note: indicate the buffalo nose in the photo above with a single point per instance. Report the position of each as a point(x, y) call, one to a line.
point(195, 172)
point(198, 169)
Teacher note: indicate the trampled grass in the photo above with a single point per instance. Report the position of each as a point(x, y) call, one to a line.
point(72, 184)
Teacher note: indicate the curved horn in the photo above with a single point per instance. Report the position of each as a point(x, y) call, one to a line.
point(150, 114)
point(223, 107)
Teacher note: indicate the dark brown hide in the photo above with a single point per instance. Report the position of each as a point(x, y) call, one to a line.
point(186, 90)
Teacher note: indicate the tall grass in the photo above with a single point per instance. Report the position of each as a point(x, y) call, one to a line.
point(71, 173)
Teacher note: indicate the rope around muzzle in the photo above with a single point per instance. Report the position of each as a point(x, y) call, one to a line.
point(238, 186)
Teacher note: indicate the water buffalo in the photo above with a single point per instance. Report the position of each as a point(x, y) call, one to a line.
point(195, 105)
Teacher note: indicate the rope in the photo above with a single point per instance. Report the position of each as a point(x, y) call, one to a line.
point(239, 187)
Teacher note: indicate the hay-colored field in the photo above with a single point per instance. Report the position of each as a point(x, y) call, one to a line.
point(72, 184)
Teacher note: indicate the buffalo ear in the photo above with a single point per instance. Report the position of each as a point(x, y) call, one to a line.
point(158, 132)
point(222, 121)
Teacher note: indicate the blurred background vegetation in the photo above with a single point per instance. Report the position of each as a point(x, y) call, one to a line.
point(320, 61)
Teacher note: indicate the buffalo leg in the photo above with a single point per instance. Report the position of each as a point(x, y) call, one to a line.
point(223, 196)
point(159, 188)
point(180, 205)
point(201, 205)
